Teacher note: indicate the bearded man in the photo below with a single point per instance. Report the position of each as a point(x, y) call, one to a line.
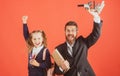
point(75, 49)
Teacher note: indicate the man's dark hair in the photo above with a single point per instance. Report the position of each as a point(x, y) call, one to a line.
point(71, 23)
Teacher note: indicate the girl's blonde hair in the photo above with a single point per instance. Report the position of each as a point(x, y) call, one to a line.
point(30, 43)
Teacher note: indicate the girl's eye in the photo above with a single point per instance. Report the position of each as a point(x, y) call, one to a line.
point(34, 39)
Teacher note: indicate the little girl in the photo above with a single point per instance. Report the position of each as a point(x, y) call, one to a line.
point(36, 40)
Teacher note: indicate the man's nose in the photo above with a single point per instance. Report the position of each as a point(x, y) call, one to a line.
point(70, 32)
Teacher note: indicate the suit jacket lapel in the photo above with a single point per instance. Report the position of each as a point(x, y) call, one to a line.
point(66, 51)
point(75, 48)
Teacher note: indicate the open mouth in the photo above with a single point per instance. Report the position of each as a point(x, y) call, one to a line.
point(70, 36)
point(37, 43)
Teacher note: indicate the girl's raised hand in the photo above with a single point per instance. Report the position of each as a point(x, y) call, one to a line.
point(24, 19)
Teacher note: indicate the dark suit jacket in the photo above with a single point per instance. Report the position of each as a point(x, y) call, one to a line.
point(78, 62)
point(44, 64)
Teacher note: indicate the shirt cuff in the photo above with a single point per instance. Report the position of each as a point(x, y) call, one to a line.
point(97, 19)
point(61, 69)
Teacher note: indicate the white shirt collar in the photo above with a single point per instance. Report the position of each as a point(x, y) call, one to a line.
point(35, 50)
point(69, 48)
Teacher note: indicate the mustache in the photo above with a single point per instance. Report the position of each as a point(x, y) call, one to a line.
point(70, 35)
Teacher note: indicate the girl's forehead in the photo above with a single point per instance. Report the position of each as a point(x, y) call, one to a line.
point(37, 34)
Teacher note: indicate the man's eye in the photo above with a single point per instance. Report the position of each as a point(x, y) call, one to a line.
point(73, 30)
point(67, 30)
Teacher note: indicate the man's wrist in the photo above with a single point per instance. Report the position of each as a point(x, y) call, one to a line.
point(97, 19)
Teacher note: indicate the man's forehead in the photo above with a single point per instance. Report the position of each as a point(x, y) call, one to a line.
point(71, 27)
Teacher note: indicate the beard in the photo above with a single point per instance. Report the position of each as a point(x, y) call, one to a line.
point(70, 38)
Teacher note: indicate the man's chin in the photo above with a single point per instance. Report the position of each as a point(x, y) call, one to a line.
point(70, 40)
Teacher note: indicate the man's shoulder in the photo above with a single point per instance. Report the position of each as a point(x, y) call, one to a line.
point(80, 38)
point(62, 45)
point(62, 48)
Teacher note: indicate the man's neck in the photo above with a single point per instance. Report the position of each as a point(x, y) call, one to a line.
point(71, 43)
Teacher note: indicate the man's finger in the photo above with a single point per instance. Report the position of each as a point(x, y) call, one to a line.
point(99, 8)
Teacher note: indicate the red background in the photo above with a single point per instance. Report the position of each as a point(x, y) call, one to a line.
point(51, 16)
